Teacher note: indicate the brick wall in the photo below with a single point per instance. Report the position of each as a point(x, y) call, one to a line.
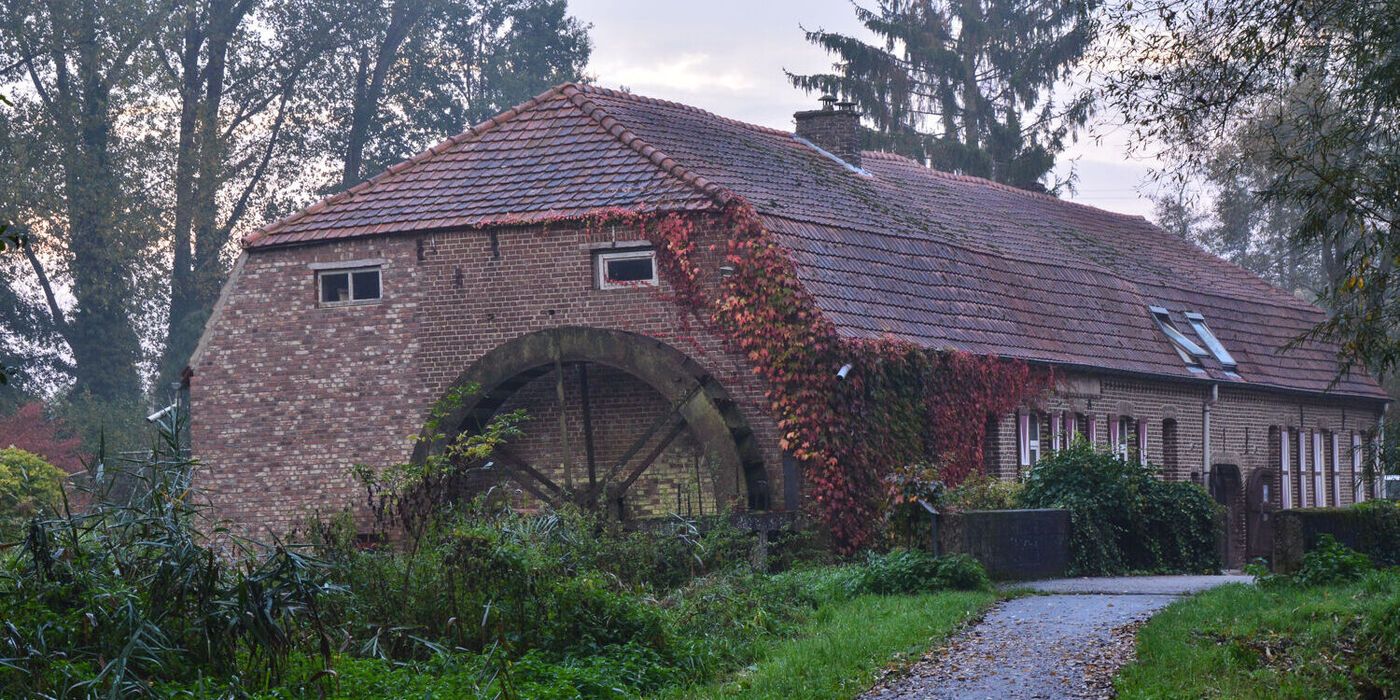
point(287, 395)
point(1244, 433)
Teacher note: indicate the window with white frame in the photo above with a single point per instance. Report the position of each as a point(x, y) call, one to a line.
point(1285, 469)
point(1028, 435)
point(1358, 483)
point(619, 269)
point(349, 285)
point(1120, 437)
point(1318, 460)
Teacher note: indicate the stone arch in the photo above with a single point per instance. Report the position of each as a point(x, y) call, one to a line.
point(704, 405)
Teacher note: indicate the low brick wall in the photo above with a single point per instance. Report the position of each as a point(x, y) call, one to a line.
point(1011, 544)
point(1297, 531)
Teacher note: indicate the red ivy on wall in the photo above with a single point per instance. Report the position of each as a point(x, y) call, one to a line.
point(901, 403)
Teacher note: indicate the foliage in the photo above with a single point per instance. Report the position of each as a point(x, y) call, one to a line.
point(964, 86)
point(30, 430)
point(29, 488)
point(109, 600)
point(421, 70)
point(910, 491)
point(900, 403)
point(916, 571)
point(1378, 527)
point(145, 137)
point(1242, 226)
point(1242, 641)
point(1123, 517)
point(1314, 86)
point(981, 492)
point(407, 497)
point(10, 240)
point(1331, 562)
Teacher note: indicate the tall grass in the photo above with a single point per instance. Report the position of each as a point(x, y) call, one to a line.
point(130, 590)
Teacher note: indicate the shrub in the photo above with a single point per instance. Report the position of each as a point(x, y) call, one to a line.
point(1378, 530)
point(913, 571)
point(1123, 518)
point(981, 492)
point(29, 488)
point(1331, 562)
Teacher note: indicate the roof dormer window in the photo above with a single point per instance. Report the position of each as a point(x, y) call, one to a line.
point(1190, 352)
point(1198, 323)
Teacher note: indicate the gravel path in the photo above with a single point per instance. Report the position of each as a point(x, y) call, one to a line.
point(1065, 645)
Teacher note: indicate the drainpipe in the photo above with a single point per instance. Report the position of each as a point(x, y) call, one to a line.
point(1205, 428)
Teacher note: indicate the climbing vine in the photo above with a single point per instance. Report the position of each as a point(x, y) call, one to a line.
point(900, 404)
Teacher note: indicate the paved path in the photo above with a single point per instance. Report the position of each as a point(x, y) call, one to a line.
point(1065, 645)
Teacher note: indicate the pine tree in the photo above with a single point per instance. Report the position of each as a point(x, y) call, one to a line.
point(964, 85)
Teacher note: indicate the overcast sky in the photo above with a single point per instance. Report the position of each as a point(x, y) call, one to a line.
point(728, 57)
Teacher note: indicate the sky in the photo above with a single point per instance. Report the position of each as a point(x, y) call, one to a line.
point(728, 57)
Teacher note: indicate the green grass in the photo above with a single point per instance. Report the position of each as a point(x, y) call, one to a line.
point(839, 651)
point(1244, 641)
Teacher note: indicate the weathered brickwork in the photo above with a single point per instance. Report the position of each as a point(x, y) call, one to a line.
point(1245, 425)
point(287, 395)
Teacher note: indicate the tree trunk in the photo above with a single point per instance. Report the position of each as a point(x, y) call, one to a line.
point(104, 343)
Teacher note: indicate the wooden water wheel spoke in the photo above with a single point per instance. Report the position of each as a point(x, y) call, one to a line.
point(642, 441)
point(518, 467)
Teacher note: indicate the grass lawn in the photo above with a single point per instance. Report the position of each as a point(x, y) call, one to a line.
point(1245, 641)
point(838, 652)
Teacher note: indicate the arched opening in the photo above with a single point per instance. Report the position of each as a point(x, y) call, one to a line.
point(620, 422)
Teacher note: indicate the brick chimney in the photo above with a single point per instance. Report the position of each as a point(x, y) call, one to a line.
point(833, 128)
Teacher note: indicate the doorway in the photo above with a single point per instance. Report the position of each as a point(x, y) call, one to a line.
point(1225, 489)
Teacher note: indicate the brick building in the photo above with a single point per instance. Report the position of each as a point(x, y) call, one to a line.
point(478, 262)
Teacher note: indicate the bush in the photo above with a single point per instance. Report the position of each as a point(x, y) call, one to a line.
point(29, 488)
point(906, 571)
point(1378, 530)
point(981, 492)
point(1123, 517)
point(1331, 562)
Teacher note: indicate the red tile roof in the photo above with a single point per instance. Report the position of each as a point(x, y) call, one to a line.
point(901, 250)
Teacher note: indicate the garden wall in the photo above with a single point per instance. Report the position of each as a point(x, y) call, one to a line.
point(1011, 544)
point(1372, 528)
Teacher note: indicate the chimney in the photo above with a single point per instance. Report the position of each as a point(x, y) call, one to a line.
point(834, 128)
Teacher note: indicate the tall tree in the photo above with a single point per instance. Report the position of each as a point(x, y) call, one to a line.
point(78, 61)
point(420, 70)
point(1241, 224)
point(1318, 84)
point(237, 67)
point(964, 85)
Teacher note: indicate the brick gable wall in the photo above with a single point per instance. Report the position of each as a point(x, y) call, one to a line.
point(287, 395)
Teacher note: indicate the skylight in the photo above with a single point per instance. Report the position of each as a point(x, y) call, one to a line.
point(1198, 322)
point(1190, 352)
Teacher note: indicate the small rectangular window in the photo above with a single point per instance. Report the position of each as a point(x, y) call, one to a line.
point(346, 286)
point(626, 268)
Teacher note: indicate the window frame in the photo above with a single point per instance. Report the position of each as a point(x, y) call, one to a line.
point(600, 267)
point(349, 272)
